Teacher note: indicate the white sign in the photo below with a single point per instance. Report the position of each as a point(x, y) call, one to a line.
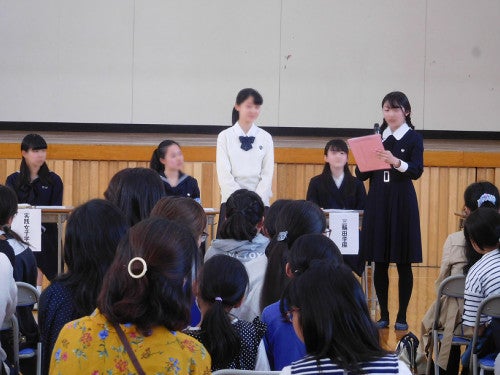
point(344, 227)
point(28, 225)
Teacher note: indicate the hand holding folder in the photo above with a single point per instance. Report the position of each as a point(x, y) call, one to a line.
point(364, 151)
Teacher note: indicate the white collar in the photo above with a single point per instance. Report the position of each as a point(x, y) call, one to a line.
point(252, 132)
point(398, 134)
point(338, 180)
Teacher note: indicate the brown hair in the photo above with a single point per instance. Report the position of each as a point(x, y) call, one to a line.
point(162, 297)
point(185, 211)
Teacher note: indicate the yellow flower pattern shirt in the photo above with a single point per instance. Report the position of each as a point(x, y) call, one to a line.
point(91, 345)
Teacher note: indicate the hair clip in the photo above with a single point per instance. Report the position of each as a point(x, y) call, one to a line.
point(282, 235)
point(486, 198)
point(218, 299)
point(144, 268)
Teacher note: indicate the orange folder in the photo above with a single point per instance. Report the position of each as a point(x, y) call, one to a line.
point(364, 149)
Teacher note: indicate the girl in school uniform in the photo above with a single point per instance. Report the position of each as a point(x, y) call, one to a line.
point(336, 187)
point(328, 311)
point(231, 342)
point(391, 223)
point(168, 161)
point(245, 152)
point(36, 185)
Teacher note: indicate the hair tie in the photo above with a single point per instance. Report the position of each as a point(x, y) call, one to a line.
point(486, 198)
point(218, 299)
point(282, 235)
point(144, 267)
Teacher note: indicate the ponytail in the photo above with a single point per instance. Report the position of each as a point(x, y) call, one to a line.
point(235, 116)
point(275, 281)
point(10, 233)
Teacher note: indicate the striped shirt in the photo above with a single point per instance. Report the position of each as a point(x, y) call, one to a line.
point(483, 280)
point(388, 364)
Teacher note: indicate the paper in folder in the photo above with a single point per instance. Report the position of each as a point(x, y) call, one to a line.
point(364, 149)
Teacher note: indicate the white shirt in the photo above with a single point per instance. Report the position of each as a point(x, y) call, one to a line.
point(240, 169)
point(398, 134)
point(338, 180)
point(8, 294)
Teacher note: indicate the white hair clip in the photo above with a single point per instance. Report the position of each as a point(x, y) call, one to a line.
point(282, 235)
point(486, 198)
point(144, 268)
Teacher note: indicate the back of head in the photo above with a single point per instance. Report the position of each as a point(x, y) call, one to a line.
point(93, 232)
point(296, 219)
point(158, 294)
point(482, 227)
point(185, 211)
point(310, 247)
point(333, 315)
point(272, 216)
point(481, 194)
point(159, 153)
point(244, 210)
point(222, 285)
point(8, 204)
point(135, 191)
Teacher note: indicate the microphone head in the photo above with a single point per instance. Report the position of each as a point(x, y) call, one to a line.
point(376, 128)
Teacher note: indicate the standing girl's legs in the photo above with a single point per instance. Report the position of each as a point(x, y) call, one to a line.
point(405, 288)
point(381, 281)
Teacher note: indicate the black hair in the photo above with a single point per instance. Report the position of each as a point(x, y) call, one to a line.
point(397, 99)
point(476, 190)
point(135, 191)
point(32, 142)
point(159, 153)
point(163, 295)
point(272, 215)
point(241, 97)
point(482, 226)
point(222, 284)
point(334, 316)
point(93, 232)
point(350, 180)
point(297, 218)
point(244, 210)
point(8, 208)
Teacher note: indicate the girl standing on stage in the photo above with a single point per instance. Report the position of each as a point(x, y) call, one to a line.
point(391, 223)
point(36, 185)
point(168, 161)
point(336, 187)
point(245, 152)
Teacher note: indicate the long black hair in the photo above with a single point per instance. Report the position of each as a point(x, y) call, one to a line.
point(159, 153)
point(222, 284)
point(397, 99)
point(8, 208)
point(296, 218)
point(32, 142)
point(339, 145)
point(272, 215)
point(241, 97)
point(244, 210)
point(334, 316)
point(93, 232)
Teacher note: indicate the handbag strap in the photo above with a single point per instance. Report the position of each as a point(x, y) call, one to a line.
point(128, 349)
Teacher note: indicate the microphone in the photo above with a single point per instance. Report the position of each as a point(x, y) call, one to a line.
point(376, 128)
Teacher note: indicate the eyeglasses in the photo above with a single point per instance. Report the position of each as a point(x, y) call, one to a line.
point(327, 232)
point(289, 313)
point(204, 236)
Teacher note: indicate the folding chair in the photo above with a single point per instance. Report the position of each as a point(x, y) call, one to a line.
point(452, 286)
point(244, 372)
point(28, 295)
point(14, 326)
point(490, 307)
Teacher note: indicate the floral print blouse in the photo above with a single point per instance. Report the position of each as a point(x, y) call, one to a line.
point(90, 345)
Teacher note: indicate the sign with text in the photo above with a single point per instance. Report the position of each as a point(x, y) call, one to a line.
point(344, 227)
point(28, 225)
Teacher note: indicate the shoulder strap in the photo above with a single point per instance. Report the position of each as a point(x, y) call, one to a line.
point(129, 350)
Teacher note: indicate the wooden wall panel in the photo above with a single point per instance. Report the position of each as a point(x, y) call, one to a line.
point(439, 190)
